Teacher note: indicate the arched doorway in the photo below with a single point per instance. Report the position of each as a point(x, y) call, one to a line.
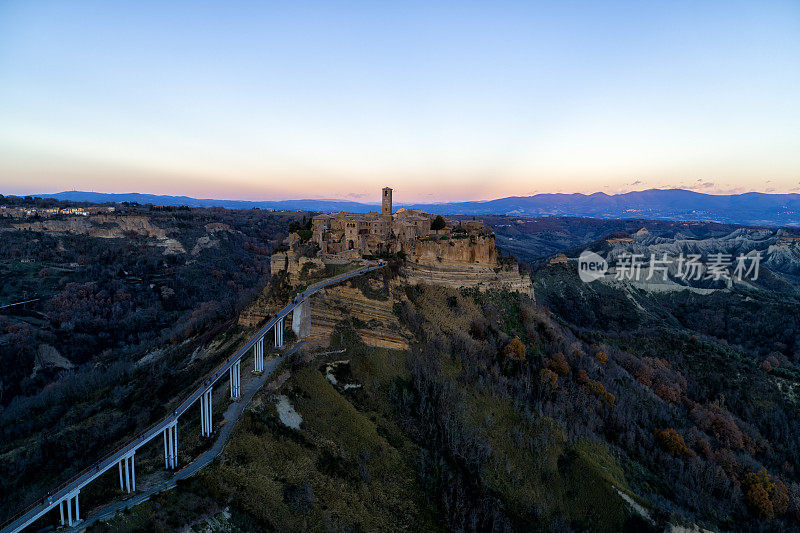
point(350, 245)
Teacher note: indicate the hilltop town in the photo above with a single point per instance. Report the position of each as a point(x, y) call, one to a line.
point(387, 232)
point(456, 253)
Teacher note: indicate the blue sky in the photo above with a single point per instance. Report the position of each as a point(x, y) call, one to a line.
point(441, 101)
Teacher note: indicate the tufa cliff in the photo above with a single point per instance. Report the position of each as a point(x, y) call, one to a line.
point(467, 262)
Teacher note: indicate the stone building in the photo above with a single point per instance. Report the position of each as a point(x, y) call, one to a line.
point(460, 254)
point(384, 232)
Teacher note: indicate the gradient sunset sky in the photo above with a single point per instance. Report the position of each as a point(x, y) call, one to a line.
point(441, 101)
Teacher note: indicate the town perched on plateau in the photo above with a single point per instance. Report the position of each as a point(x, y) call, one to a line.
point(457, 253)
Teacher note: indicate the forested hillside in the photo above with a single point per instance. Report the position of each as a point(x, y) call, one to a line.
point(707, 394)
point(506, 416)
point(122, 301)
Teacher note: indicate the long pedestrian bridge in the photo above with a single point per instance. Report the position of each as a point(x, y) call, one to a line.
point(66, 496)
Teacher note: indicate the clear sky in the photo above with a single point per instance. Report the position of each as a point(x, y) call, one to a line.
point(441, 101)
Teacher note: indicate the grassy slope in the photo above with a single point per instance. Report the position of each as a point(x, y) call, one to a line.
point(265, 468)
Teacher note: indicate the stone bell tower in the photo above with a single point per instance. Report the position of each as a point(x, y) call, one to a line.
point(387, 201)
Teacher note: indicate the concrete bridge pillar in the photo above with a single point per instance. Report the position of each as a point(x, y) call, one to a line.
point(301, 319)
point(258, 356)
point(66, 517)
point(278, 327)
point(171, 446)
point(236, 380)
point(127, 473)
point(205, 414)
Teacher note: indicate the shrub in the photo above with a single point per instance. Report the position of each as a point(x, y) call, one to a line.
point(515, 350)
point(671, 441)
point(558, 364)
point(727, 460)
point(304, 234)
point(597, 389)
point(670, 392)
point(704, 447)
point(766, 495)
point(720, 423)
point(758, 501)
point(602, 358)
point(644, 375)
point(547, 376)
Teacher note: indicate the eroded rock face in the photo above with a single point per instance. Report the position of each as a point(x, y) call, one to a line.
point(107, 227)
point(103, 226)
point(780, 251)
point(376, 323)
point(262, 308)
point(471, 261)
point(48, 358)
point(70, 225)
point(471, 250)
point(214, 227)
point(203, 243)
point(293, 263)
point(462, 275)
point(278, 262)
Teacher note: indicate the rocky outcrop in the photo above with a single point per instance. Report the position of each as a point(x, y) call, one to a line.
point(214, 227)
point(107, 227)
point(80, 225)
point(203, 243)
point(463, 261)
point(469, 276)
point(264, 306)
point(469, 249)
point(103, 226)
point(375, 321)
point(278, 262)
point(294, 264)
point(48, 358)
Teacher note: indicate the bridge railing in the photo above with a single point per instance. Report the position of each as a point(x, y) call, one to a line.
point(87, 471)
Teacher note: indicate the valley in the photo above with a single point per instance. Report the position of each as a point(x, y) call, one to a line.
point(426, 396)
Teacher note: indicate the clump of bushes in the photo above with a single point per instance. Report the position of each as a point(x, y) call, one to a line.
point(766, 495)
point(549, 378)
point(597, 389)
point(515, 350)
point(671, 441)
point(558, 364)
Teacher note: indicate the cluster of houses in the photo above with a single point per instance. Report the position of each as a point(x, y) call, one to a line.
point(46, 212)
point(384, 232)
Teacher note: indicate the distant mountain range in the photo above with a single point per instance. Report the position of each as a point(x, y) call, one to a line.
point(659, 204)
